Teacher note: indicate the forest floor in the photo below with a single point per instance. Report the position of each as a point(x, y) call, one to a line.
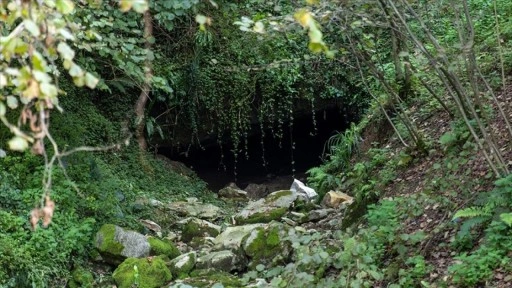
point(471, 177)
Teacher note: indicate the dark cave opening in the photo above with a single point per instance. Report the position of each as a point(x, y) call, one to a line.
point(216, 164)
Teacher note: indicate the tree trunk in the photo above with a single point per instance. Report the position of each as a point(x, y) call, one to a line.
point(140, 106)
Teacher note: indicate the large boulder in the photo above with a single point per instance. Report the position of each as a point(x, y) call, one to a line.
point(116, 244)
point(272, 207)
point(149, 273)
point(192, 208)
point(231, 238)
point(267, 246)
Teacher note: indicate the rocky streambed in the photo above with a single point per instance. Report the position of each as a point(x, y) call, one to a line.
point(207, 247)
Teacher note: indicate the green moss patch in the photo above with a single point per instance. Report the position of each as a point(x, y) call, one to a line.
point(163, 247)
point(150, 273)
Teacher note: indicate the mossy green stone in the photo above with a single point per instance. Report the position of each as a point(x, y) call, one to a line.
point(163, 247)
point(264, 246)
point(181, 266)
point(83, 278)
point(208, 277)
point(262, 217)
point(194, 229)
point(278, 194)
point(107, 243)
point(152, 273)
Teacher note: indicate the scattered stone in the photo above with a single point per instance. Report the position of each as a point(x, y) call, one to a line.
point(208, 278)
point(232, 237)
point(319, 214)
point(202, 243)
point(266, 246)
point(155, 203)
point(257, 191)
point(182, 265)
point(151, 273)
point(272, 207)
point(194, 227)
point(231, 191)
point(151, 226)
point(298, 217)
point(116, 244)
point(335, 199)
point(289, 221)
point(163, 247)
point(195, 209)
point(224, 260)
point(304, 192)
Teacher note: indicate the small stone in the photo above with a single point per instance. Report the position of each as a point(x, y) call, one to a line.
point(335, 199)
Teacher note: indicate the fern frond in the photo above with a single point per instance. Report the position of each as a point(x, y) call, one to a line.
point(471, 212)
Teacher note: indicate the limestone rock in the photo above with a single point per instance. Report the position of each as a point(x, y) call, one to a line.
point(272, 207)
point(194, 227)
point(116, 244)
point(182, 265)
point(195, 209)
point(304, 192)
point(335, 199)
point(152, 273)
point(224, 260)
point(318, 214)
point(231, 191)
point(266, 246)
point(232, 237)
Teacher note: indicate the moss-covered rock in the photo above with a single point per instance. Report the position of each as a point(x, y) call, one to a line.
point(81, 278)
point(150, 273)
point(163, 247)
point(273, 207)
point(182, 265)
point(116, 244)
point(210, 277)
point(267, 246)
point(194, 227)
point(231, 238)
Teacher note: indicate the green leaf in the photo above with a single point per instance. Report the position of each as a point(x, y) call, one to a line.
point(31, 26)
point(48, 89)
point(125, 5)
point(65, 6)
point(2, 109)
point(18, 144)
point(315, 35)
point(90, 80)
point(12, 102)
point(65, 51)
point(507, 218)
point(201, 19)
point(75, 71)
point(140, 6)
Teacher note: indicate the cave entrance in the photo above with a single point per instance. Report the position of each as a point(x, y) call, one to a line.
point(282, 161)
